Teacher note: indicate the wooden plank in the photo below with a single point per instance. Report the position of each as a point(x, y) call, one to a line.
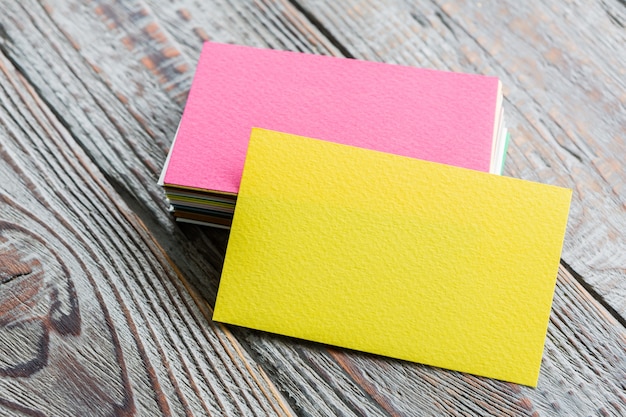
point(94, 319)
point(120, 121)
point(562, 72)
point(83, 48)
point(262, 23)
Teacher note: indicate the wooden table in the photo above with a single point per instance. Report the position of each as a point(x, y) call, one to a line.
point(105, 302)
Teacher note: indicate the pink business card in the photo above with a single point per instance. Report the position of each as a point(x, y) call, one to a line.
point(427, 114)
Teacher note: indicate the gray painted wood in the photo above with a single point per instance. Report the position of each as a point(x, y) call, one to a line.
point(94, 318)
point(91, 94)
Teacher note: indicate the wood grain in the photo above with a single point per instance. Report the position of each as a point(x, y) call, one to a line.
point(111, 78)
point(94, 320)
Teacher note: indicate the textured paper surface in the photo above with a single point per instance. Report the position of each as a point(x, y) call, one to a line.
point(433, 115)
point(395, 256)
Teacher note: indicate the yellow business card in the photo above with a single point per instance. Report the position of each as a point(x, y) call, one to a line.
point(394, 256)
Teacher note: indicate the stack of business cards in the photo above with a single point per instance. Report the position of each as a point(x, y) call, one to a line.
point(360, 216)
point(445, 117)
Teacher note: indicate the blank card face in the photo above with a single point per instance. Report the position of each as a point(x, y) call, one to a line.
point(434, 115)
point(394, 256)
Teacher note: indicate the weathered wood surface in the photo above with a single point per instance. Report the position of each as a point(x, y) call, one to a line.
point(94, 319)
